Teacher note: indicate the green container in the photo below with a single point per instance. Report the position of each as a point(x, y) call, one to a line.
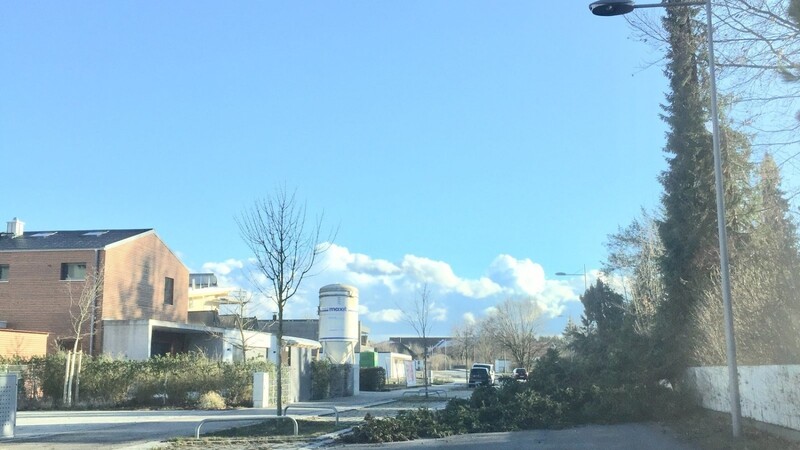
point(368, 359)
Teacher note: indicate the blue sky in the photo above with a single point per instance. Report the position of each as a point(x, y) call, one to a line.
point(477, 146)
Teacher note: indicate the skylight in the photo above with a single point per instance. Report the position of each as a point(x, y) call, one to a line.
point(95, 233)
point(46, 234)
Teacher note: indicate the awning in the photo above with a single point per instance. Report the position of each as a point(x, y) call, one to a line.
point(292, 341)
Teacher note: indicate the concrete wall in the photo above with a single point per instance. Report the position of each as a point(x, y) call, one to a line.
point(127, 339)
point(394, 364)
point(769, 394)
point(257, 344)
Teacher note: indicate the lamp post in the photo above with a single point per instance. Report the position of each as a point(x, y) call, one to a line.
point(618, 7)
point(585, 282)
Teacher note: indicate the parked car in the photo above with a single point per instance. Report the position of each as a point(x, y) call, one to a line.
point(520, 374)
point(489, 368)
point(479, 376)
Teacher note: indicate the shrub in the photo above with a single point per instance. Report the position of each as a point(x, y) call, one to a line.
point(237, 380)
point(320, 379)
point(164, 380)
point(375, 431)
point(372, 379)
point(107, 381)
point(459, 416)
point(211, 400)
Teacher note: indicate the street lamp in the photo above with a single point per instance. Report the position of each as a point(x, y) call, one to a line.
point(585, 283)
point(618, 7)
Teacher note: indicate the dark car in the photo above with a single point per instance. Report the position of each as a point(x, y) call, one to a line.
point(520, 374)
point(479, 376)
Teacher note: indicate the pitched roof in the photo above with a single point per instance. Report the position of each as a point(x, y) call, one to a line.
point(66, 240)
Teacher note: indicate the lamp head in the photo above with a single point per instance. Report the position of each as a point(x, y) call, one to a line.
point(611, 7)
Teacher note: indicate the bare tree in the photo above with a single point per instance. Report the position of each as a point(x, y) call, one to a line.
point(285, 249)
point(241, 305)
point(419, 315)
point(514, 327)
point(81, 311)
point(634, 253)
point(465, 337)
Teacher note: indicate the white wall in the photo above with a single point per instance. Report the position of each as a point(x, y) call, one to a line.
point(768, 394)
point(128, 339)
point(394, 364)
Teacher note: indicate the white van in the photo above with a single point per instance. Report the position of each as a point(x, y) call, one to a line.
point(489, 367)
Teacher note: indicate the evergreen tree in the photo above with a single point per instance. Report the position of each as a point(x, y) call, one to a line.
point(770, 278)
point(603, 309)
point(688, 228)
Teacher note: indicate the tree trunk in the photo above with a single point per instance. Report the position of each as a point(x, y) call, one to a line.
point(425, 367)
point(66, 379)
point(279, 375)
point(78, 377)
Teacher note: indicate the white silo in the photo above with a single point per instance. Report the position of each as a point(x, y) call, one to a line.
point(338, 322)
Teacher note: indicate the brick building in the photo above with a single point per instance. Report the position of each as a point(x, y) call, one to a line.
point(140, 311)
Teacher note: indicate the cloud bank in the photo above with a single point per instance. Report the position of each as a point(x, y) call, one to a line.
point(388, 289)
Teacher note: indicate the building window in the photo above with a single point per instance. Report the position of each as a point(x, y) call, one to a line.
point(3, 272)
point(73, 271)
point(169, 289)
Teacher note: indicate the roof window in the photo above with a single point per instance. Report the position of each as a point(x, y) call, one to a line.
point(45, 234)
point(95, 233)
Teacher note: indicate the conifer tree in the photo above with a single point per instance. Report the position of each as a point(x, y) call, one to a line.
point(688, 227)
point(777, 260)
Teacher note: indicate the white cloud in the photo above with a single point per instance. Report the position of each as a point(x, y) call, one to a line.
point(438, 313)
point(438, 273)
point(385, 285)
point(228, 272)
point(386, 315)
point(223, 268)
point(520, 276)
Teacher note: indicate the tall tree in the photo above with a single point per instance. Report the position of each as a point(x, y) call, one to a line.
point(285, 248)
point(765, 287)
point(514, 326)
point(757, 46)
point(688, 228)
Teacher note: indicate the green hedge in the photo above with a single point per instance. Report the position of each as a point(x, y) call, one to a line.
point(372, 379)
point(330, 380)
point(160, 381)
